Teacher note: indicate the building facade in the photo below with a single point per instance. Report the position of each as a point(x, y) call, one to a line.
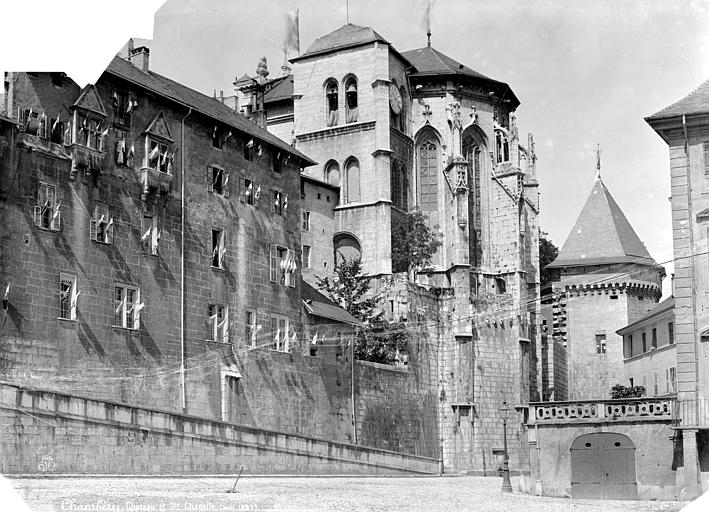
point(649, 351)
point(684, 126)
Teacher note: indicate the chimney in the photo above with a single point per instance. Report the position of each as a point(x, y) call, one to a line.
point(140, 57)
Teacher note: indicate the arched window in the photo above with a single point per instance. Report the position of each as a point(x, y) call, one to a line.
point(475, 149)
point(352, 186)
point(347, 247)
point(332, 173)
point(331, 102)
point(502, 146)
point(428, 156)
point(351, 100)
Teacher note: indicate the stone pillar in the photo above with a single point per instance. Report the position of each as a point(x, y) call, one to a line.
point(691, 487)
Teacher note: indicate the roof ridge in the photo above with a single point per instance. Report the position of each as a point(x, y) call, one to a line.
point(676, 108)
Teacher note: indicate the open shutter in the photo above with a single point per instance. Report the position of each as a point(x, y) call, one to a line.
point(274, 198)
point(56, 222)
point(210, 179)
point(272, 260)
point(38, 216)
point(225, 184)
point(242, 189)
point(109, 232)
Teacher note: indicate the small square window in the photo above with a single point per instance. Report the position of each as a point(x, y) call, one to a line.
point(47, 211)
point(127, 304)
point(250, 191)
point(218, 323)
point(158, 156)
point(600, 343)
point(218, 181)
point(101, 225)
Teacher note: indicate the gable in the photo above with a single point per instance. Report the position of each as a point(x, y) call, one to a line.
point(90, 100)
point(158, 128)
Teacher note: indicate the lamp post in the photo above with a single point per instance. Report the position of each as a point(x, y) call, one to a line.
point(504, 414)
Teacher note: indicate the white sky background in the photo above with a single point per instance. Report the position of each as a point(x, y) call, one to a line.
point(585, 72)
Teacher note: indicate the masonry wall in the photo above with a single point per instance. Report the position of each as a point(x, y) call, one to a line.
point(320, 200)
point(54, 433)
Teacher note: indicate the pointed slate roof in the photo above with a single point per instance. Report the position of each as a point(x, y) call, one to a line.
point(430, 62)
point(602, 235)
point(696, 102)
point(346, 36)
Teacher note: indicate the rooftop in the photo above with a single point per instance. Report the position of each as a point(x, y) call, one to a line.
point(347, 36)
point(319, 305)
point(601, 235)
point(210, 107)
point(696, 102)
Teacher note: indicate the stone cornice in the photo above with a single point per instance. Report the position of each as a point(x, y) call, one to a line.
point(335, 130)
point(607, 287)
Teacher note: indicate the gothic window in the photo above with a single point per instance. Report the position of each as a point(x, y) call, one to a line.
point(502, 147)
point(402, 114)
point(352, 184)
point(331, 102)
point(399, 184)
point(351, 100)
point(332, 173)
point(428, 175)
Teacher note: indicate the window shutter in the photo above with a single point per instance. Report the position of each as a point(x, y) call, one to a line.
point(109, 234)
point(38, 216)
point(56, 222)
point(210, 179)
point(273, 201)
point(225, 184)
point(93, 231)
point(242, 189)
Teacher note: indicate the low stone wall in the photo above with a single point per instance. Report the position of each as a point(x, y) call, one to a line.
point(48, 432)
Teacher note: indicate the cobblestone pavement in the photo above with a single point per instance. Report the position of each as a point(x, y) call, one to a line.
point(463, 493)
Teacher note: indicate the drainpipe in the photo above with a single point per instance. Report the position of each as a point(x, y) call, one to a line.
point(352, 389)
point(182, 263)
point(691, 273)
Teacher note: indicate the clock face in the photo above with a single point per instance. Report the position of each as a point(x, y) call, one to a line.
point(395, 100)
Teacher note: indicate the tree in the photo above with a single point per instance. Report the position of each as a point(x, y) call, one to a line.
point(413, 243)
point(547, 253)
point(377, 340)
point(348, 288)
point(620, 391)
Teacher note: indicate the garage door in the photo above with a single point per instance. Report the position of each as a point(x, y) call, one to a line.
point(603, 466)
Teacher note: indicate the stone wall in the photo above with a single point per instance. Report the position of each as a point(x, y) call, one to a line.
point(54, 433)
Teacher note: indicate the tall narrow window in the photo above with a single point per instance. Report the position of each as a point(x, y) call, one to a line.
point(251, 328)
point(47, 211)
point(150, 238)
point(654, 338)
point(306, 256)
point(126, 301)
point(101, 225)
point(277, 162)
point(352, 183)
point(671, 332)
point(248, 152)
point(68, 296)
point(331, 102)
point(250, 191)
point(351, 100)
point(282, 266)
point(306, 221)
point(673, 380)
point(644, 338)
point(218, 248)
point(655, 384)
point(218, 323)
point(706, 158)
point(279, 202)
point(218, 181)
point(428, 177)
point(600, 343)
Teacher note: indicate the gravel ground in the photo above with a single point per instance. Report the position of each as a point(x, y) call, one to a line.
point(464, 493)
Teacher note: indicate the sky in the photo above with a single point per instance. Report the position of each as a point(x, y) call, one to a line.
point(586, 73)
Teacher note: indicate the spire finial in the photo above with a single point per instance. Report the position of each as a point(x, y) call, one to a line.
point(428, 35)
point(598, 162)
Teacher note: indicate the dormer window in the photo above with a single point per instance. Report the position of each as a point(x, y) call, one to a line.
point(332, 100)
point(351, 100)
point(157, 156)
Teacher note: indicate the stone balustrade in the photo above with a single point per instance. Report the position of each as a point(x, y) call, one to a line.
point(601, 411)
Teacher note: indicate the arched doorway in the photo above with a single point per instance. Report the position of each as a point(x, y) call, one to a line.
point(603, 467)
point(347, 247)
